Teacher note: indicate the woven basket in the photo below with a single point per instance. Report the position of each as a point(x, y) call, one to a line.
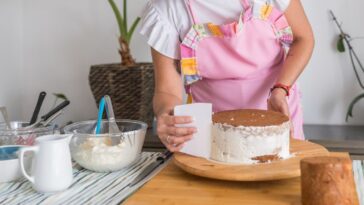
point(130, 88)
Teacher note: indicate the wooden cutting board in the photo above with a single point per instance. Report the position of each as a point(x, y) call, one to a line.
point(282, 169)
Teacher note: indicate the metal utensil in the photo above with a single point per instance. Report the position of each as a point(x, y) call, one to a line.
point(37, 107)
point(113, 127)
point(50, 116)
point(150, 168)
point(6, 117)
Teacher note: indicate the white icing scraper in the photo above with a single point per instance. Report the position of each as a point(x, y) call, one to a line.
point(200, 144)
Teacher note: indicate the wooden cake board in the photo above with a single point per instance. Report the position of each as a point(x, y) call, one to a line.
point(280, 169)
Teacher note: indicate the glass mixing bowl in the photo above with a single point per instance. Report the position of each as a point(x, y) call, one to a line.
point(106, 152)
point(18, 136)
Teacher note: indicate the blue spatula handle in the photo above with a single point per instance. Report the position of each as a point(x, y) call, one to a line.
point(99, 116)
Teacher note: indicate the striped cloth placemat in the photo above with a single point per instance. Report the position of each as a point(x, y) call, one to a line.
point(87, 188)
point(359, 179)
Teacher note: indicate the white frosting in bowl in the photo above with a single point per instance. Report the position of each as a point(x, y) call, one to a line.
point(97, 155)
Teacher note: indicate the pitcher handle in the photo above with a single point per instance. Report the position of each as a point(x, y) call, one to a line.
point(21, 160)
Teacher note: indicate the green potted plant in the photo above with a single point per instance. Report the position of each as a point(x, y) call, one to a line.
point(357, 65)
point(129, 84)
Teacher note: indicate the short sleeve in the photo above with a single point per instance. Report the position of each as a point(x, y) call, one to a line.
point(282, 4)
point(159, 32)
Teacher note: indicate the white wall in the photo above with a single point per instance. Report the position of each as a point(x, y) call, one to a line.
point(329, 84)
point(61, 39)
point(10, 57)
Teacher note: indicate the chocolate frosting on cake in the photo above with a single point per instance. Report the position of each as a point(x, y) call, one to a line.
point(249, 117)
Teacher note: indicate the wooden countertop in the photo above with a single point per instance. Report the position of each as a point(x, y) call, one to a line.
point(174, 186)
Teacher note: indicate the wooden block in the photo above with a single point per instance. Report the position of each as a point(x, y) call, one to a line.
point(327, 181)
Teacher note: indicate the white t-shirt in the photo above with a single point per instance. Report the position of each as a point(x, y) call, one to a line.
point(166, 22)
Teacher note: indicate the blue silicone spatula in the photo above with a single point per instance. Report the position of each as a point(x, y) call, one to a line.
point(99, 115)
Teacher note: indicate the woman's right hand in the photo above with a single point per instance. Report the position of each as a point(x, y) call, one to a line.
point(174, 137)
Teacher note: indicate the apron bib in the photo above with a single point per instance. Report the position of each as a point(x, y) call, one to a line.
point(233, 66)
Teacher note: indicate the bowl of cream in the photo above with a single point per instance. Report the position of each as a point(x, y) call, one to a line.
point(106, 152)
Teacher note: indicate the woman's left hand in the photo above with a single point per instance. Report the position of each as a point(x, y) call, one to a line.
point(278, 102)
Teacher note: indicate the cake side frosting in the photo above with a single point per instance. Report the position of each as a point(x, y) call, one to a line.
point(242, 144)
point(249, 143)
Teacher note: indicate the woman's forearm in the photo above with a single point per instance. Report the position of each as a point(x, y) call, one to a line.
point(302, 46)
point(297, 59)
point(168, 84)
point(164, 103)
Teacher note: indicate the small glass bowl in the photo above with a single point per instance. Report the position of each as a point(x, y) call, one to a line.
point(18, 136)
point(106, 152)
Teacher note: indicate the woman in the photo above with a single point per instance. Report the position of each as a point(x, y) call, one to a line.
point(250, 56)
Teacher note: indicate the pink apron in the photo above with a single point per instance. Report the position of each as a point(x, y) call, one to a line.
point(234, 65)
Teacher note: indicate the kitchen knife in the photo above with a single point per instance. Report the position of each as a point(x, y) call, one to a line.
point(150, 168)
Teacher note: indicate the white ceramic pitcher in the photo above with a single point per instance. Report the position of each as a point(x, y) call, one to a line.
point(51, 166)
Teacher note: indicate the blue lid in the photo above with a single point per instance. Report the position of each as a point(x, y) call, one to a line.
point(9, 152)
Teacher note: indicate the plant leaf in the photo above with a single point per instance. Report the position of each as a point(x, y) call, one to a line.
point(60, 96)
point(340, 44)
point(132, 29)
point(351, 106)
point(119, 19)
point(125, 13)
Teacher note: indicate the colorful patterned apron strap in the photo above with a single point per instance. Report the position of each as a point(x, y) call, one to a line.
point(189, 94)
point(190, 11)
point(246, 4)
point(194, 22)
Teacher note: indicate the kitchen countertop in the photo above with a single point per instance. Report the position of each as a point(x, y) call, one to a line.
point(338, 138)
point(174, 186)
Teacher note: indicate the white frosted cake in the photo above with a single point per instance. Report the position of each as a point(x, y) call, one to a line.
point(249, 136)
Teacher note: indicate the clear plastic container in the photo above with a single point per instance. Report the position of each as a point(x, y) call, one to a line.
point(106, 152)
point(18, 136)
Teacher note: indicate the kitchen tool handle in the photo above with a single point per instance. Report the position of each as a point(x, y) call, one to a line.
point(21, 159)
point(37, 107)
point(99, 116)
point(109, 108)
point(55, 110)
point(166, 155)
point(52, 118)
